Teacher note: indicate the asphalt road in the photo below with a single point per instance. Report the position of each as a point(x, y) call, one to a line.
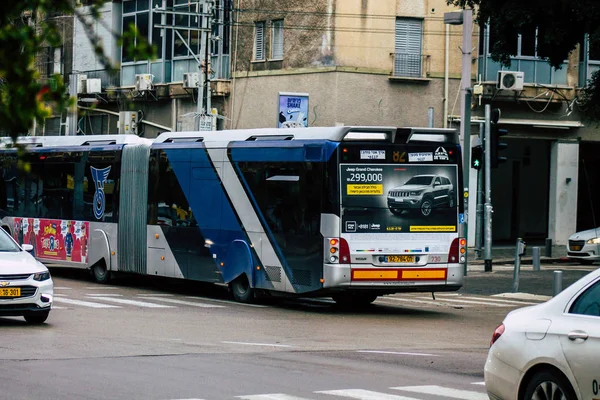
point(158, 339)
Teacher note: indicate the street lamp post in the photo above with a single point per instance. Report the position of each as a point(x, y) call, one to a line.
point(465, 18)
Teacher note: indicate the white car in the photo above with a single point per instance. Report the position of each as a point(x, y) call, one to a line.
point(584, 246)
point(26, 288)
point(550, 350)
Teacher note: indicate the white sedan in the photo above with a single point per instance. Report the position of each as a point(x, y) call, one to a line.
point(550, 350)
point(584, 246)
point(26, 288)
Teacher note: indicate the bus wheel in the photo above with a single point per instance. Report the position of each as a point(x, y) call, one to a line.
point(354, 299)
point(241, 290)
point(100, 274)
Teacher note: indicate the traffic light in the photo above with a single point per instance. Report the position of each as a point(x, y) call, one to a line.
point(476, 157)
point(496, 145)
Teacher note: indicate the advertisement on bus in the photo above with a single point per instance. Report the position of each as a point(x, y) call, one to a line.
point(52, 239)
point(379, 198)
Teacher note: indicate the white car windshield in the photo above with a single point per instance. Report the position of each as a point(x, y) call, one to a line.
point(6, 243)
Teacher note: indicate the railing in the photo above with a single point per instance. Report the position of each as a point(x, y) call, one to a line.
point(109, 79)
point(536, 70)
point(410, 65)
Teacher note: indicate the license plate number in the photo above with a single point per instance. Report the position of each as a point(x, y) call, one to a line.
point(400, 259)
point(576, 248)
point(10, 292)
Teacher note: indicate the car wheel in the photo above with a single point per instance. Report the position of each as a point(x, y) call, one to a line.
point(37, 318)
point(546, 385)
point(426, 207)
point(354, 299)
point(241, 290)
point(100, 274)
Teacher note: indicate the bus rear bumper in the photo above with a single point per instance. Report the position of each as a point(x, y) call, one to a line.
point(340, 276)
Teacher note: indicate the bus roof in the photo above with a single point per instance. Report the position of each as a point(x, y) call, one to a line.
point(79, 140)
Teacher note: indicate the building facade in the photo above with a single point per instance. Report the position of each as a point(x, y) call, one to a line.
point(353, 62)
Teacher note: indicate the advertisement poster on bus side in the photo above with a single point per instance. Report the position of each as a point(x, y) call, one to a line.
point(381, 198)
point(53, 239)
point(293, 110)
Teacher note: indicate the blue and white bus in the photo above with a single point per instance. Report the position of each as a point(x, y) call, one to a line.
point(345, 212)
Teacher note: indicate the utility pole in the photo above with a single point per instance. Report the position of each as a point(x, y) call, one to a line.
point(465, 18)
point(487, 234)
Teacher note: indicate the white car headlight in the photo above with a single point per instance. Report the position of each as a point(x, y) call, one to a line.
point(595, 240)
point(41, 276)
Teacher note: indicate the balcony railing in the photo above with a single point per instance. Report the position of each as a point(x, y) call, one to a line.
point(410, 65)
point(107, 78)
point(536, 70)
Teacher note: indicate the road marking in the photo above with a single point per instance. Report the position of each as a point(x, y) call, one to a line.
point(272, 396)
point(229, 302)
point(515, 302)
point(83, 303)
point(444, 392)
point(365, 395)
point(473, 302)
point(58, 307)
point(62, 288)
point(430, 302)
point(478, 383)
point(397, 353)
point(100, 287)
point(154, 294)
point(131, 302)
point(104, 294)
point(524, 296)
point(183, 302)
point(258, 344)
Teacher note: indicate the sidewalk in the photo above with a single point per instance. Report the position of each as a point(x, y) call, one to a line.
point(532, 284)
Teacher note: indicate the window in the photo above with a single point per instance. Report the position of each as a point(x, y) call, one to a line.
point(407, 53)
point(277, 40)
point(589, 302)
point(135, 12)
point(259, 41)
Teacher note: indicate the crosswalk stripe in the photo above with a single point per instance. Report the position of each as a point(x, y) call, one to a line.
point(430, 302)
point(230, 302)
point(83, 303)
point(272, 396)
point(444, 392)
point(183, 302)
point(473, 302)
point(104, 295)
point(516, 302)
point(361, 394)
point(131, 302)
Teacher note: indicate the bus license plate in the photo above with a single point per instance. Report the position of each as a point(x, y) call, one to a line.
point(10, 292)
point(400, 259)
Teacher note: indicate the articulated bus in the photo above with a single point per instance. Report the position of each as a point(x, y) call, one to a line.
point(350, 213)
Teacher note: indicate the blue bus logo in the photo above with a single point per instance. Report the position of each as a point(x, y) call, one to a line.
point(99, 176)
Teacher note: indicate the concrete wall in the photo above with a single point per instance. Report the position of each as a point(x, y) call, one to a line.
point(84, 58)
point(339, 97)
point(563, 194)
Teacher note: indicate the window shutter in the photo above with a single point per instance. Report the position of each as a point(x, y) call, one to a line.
point(407, 60)
point(259, 41)
point(277, 44)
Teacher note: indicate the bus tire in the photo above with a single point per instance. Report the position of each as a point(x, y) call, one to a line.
point(241, 290)
point(100, 274)
point(354, 299)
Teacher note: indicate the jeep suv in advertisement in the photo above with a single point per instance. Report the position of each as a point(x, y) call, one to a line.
point(422, 193)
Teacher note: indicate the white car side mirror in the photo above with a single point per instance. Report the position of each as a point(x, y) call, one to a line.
point(27, 247)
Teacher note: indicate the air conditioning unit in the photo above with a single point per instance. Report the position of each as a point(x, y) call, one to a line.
point(128, 122)
point(510, 80)
point(143, 82)
point(93, 85)
point(191, 80)
point(81, 83)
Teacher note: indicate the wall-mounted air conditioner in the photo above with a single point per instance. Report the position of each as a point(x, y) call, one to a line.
point(191, 80)
point(510, 80)
point(93, 85)
point(143, 82)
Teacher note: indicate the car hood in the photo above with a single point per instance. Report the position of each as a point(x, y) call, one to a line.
point(19, 262)
point(585, 235)
point(412, 187)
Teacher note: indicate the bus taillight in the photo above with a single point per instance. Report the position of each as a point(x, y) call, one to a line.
point(458, 251)
point(338, 251)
